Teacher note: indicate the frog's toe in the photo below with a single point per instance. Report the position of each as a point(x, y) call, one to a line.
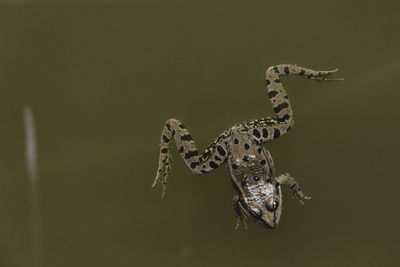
point(301, 200)
point(325, 76)
point(240, 220)
point(300, 197)
point(162, 176)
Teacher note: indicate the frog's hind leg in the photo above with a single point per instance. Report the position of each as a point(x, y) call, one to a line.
point(212, 158)
point(268, 129)
point(277, 94)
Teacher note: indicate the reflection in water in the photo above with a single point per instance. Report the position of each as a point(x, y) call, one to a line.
point(33, 176)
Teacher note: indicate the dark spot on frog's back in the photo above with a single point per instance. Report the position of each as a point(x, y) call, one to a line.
point(246, 146)
point(164, 150)
point(236, 141)
point(277, 133)
point(256, 133)
point(263, 162)
point(265, 132)
point(234, 166)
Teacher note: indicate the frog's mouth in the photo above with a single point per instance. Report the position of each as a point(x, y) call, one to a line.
point(268, 220)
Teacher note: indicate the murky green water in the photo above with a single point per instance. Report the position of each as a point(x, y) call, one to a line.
point(103, 78)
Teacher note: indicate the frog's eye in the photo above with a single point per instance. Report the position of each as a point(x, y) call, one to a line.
point(272, 204)
point(255, 210)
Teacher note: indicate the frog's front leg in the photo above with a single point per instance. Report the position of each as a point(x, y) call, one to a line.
point(240, 217)
point(212, 158)
point(289, 180)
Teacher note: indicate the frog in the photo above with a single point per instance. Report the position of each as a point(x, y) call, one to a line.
point(241, 148)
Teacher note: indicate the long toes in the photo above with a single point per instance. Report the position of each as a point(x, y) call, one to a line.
point(237, 224)
point(326, 76)
point(329, 76)
point(304, 198)
point(163, 183)
point(156, 180)
point(169, 171)
point(327, 72)
point(162, 176)
point(163, 191)
point(332, 71)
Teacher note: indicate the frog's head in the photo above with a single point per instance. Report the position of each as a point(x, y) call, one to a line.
point(268, 210)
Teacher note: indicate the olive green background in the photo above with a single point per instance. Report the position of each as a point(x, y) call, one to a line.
point(102, 78)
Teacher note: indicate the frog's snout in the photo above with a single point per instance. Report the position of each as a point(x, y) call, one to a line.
point(268, 219)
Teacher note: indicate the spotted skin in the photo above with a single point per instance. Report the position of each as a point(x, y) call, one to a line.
point(250, 167)
point(284, 120)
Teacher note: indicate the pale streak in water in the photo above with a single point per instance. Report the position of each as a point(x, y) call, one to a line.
point(34, 189)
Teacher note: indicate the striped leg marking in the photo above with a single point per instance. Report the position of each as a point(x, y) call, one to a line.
point(268, 129)
point(214, 156)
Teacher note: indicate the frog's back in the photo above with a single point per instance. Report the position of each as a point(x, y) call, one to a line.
point(248, 163)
